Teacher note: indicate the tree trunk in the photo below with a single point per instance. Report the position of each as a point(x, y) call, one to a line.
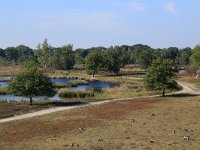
point(163, 92)
point(31, 101)
point(93, 74)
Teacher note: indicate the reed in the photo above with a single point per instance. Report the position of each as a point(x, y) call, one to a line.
point(75, 83)
point(76, 94)
point(60, 85)
point(4, 91)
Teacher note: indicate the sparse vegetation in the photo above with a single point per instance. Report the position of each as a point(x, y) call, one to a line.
point(132, 124)
point(76, 94)
point(3, 91)
point(75, 83)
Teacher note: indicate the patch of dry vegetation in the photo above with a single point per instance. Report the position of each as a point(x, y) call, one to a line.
point(16, 108)
point(9, 70)
point(156, 123)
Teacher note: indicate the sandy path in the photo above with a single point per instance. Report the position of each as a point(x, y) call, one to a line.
point(186, 89)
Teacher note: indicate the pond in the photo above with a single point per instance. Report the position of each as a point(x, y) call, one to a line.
point(91, 85)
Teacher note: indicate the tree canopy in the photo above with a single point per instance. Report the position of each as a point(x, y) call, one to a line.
point(160, 75)
point(31, 82)
point(195, 57)
point(93, 61)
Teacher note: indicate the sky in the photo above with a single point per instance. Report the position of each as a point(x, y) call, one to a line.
point(88, 23)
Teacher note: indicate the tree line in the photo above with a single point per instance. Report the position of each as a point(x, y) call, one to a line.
point(97, 58)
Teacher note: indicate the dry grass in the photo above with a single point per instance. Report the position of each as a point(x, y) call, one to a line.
point(118, 125)
point(13, 108)
point(195, 83)
point(9, 70)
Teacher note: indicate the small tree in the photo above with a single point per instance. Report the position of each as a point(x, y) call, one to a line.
point(160, 76)
point(31, 82)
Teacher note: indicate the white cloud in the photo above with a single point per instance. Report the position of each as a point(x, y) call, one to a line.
point(137, 6)
point(171, 8)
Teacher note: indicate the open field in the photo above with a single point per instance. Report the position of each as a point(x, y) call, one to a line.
point(9, 70)
point(141, 123)
point(194, 83)
point(14, 108)
point(152, 123)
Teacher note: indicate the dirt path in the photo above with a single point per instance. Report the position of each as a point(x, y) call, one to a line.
point(186, 89)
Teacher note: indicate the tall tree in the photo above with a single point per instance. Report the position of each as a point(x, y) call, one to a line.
point(145, 58)
point(24, 52)
point(44, 52)
point(170, 53)
point(67, 57)
point(2, 53)
point(184, 58)
point(12, 54)
point(160, 76)
point(136, 50)
point(114, 59)
point(93, 62)
point(31, 82)
point(195, 57)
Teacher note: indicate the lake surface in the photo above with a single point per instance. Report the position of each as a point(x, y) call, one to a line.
point(92, 85)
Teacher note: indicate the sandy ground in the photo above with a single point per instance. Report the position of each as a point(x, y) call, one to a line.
point(187, 88)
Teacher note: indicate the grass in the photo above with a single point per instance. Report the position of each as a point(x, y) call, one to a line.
point(75, 83)
point(152, 123)
point(16, 108)
point(76, 94)
point(5, 79)
point(60, 85)
point(9, 70)
point(195, 83)
point(4, 91)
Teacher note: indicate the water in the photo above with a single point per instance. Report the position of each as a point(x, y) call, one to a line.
point(92, 85)
point(20, 98)
point(3, 84)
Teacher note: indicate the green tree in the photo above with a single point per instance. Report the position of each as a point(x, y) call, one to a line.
point(184, 58)
point(12, 54)
point(114, 58)
point(31, 82)
point(2, 53)
point(67, 57)
point(135, 51)
point(44, 52)
point(195, 57)
point(170, 53)
point(145, 58)
point(24, 52)
point(93, 62)
point(160, 75)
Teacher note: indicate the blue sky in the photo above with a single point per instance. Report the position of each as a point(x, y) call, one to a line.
point(87, 23)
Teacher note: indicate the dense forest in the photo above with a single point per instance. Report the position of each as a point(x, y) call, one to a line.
point(97, 58)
